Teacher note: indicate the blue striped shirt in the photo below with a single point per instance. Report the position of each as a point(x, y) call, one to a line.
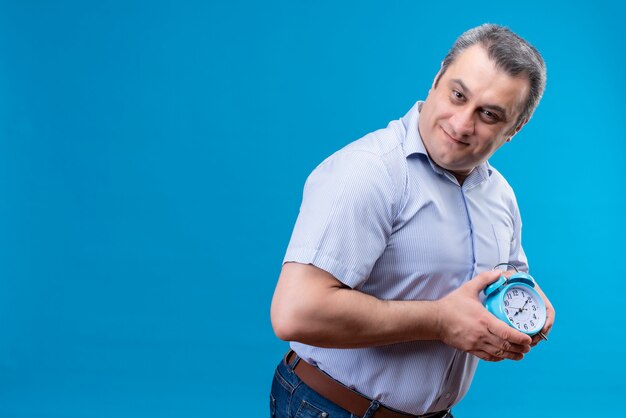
point(384, 219)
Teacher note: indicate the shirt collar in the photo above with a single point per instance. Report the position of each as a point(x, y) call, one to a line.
point(413, 144)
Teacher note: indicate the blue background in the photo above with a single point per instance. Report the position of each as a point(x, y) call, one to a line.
point(152, 158)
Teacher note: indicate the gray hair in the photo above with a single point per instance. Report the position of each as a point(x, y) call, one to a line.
point(510, 53)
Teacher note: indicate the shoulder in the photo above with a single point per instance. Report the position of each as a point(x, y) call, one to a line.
point(382, 142)
point(501, 189)
point(377, 155)
point(372, 169)
point(498, 180)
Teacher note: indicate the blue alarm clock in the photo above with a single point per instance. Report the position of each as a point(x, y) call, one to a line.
point(516, 302)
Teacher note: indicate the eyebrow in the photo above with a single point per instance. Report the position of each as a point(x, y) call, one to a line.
point(468, 92)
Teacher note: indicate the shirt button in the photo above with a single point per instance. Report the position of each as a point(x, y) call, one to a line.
point(448, 395)
point(324, 414)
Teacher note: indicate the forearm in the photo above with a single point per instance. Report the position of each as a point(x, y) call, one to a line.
point(312, 307)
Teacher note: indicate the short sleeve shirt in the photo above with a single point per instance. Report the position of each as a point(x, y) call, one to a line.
point(384, 219)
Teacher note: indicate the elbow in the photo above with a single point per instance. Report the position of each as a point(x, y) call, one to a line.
point(283, 330)
point(296, 312)
point(284, 324)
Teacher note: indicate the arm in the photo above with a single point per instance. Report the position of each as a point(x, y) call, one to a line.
point(313, 307)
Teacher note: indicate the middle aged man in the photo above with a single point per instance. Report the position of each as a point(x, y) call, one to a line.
point(395, 240)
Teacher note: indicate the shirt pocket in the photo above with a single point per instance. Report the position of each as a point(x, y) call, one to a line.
point(503, 237)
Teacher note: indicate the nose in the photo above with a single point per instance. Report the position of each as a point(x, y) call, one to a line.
point(462, 122)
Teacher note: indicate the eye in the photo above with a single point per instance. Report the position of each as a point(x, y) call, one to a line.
point(457, 96)
point(489, 116)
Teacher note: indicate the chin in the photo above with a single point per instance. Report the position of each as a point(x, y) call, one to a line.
point(454, 168)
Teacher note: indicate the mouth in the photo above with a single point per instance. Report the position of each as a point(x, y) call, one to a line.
point(451, 138)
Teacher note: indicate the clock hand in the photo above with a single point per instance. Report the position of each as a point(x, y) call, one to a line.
point(525, 303)
point(517, 310)
point(520, 310)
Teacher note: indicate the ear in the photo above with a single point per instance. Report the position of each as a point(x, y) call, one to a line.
point(517, 129)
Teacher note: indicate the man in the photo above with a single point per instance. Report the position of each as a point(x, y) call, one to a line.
point(396, 238)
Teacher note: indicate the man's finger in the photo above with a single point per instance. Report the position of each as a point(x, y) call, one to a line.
point(506, 333)
point(484, 279)
point(537, 338)
point(483, 355)
point(487, 356)
point(506, 351)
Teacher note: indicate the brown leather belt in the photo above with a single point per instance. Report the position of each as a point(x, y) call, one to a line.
point(351, 401)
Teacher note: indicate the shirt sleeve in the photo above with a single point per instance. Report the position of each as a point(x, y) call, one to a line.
point(346, 216)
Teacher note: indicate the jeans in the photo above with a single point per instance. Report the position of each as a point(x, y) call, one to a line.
point(292, 398)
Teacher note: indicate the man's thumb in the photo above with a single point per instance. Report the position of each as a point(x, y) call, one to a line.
point(484, 279)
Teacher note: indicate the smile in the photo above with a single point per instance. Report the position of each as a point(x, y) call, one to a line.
point(451, 138)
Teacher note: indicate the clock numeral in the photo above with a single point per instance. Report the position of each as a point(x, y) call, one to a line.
point(532, 323)
point(506, 303)
point(526, 327)
point(508, 295)
point(511, 319)
point(515, 292)
point(534, 307)
point(534, 316)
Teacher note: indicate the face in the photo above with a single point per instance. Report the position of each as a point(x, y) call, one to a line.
point(471, 112)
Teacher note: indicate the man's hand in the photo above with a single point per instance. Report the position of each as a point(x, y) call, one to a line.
point(464, 323)
point(550, 313)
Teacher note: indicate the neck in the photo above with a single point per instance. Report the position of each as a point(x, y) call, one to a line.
point(461, 177)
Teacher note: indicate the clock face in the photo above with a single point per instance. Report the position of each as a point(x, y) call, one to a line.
point(524, 309)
